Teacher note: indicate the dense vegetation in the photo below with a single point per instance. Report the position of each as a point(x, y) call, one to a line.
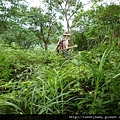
point(37, 80)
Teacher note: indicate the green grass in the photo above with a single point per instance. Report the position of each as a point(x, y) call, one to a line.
point(38, 82)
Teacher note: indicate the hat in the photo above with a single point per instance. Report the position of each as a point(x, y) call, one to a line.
point(66, 34)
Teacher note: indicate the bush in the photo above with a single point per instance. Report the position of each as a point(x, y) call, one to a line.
point(36, 81)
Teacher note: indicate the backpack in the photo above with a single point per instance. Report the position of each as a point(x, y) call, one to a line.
point(59, 46)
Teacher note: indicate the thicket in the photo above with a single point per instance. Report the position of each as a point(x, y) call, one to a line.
point(37, 81)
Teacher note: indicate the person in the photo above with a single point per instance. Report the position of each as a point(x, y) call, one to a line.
point(62, 45)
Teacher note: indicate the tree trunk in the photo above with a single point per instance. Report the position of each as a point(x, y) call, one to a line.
point(70, 42)
point(68, 26)
point(46, 46)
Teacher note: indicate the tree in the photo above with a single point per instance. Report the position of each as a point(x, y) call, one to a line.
point(99, 24)
point(66, 8)
point(12, 27)
point(44, 25)
point(10, 12)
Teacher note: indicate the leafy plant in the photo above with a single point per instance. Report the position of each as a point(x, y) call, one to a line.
point(39, 82)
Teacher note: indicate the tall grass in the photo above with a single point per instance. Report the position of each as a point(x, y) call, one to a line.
point(42, 82)
point(99, 75)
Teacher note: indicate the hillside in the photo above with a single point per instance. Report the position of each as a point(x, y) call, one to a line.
point(36, 81)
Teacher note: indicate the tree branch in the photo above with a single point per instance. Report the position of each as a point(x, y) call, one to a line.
point(74, 12)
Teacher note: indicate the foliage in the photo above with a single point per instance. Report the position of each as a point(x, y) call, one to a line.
point(12, 27)
point(80, 40)
point(43, 24)
point(98, 25)
point(28, 27)
point(37, 81)
point(66, 9)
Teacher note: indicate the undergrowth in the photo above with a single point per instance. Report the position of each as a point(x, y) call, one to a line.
point(37, 81)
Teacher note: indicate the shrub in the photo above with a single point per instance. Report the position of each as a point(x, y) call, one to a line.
point(36, 82)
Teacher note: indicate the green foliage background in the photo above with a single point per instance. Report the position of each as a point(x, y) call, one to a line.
point(37, 81)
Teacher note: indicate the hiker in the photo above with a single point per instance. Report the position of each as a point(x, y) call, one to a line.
point(63, 44)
